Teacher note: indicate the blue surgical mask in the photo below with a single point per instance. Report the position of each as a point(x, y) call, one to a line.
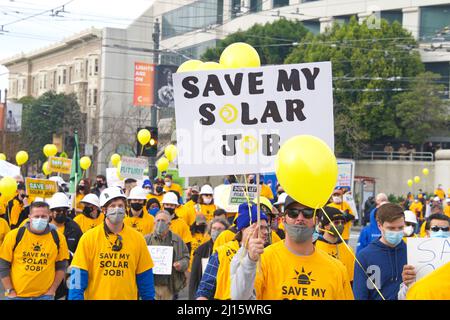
point(393, 237)
point(39, 224)
point(154, 211)
point(440, 234)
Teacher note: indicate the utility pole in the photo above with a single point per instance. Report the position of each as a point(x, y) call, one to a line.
point(154, 123)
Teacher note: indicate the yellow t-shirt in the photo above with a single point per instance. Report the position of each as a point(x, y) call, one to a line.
point(3, 205)
point(197, 240)
point(157, 197)
point(275, 237)
point(416, 207)
point(225, 255)
point(33, 261)
point(4, 229)
point(186, 214)
point(434, 286)
point(423, 232)
point(286, 276)
point(174, 187)
point(86, 223)
point(112, 274)
point(180, 227)
point(343, 207)
point(340, 252)
point(224, 237)
point(78, 203)
point(143, 225)
point(440, 193)
point(266, 192)
point(206, 209)
point(447, 211)
point(14, 214)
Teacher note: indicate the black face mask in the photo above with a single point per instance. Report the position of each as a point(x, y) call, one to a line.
point(159, 189)
point(170, 210)
point(137, 206)
point(200, 228)
point(60, 218)
point(100, 184)
point(87, 211)
point(194, 197)
point(80, 188)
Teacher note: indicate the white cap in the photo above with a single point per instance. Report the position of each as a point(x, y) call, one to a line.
point(436, 199)
point(281, 198)
point(59, 200)
point(206, 189)
point(138, 193)
point(111, 193)
point(91, 198)
point(170, 198)
point(447, 200)
point(410, 216)
point(60, 181)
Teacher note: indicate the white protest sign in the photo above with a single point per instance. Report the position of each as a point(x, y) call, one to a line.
point(133, 167)
point(112, 179)
point(8, 169)
point(162, 257)
point(346, 174)
point(204, 264)
point(234, 121)
point(241, 193)
point(427, 254)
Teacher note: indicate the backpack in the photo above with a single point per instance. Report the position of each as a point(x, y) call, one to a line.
point(21, 232)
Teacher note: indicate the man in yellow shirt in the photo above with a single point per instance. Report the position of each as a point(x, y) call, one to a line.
point(33, 258)
point(4, 229)
point(289, 269)
point(158, 190)
point(169, 185)
point(342, 205)
point(447, 207)
point(92, 215)
point(440, 192)
point(112, 261)
point(137, 218)
point(417, 208)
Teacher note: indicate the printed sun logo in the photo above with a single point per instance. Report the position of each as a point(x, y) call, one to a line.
point(303, 277)
point(37, 246)
point(334, 254)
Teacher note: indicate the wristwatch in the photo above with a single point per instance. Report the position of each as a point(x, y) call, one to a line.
point(8, 291)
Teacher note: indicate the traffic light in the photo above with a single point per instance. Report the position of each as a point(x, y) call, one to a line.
point(151, 148)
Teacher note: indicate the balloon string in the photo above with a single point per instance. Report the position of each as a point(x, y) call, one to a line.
point(142, 149)
point(351, 251)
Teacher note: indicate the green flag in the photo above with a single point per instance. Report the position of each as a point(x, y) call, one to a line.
point(75, 173)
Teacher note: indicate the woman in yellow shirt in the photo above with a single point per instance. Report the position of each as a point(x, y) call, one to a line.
point(91, 215)
point(83, 189)
point(205, 203)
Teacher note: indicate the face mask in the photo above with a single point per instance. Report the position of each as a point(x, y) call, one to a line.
point(60, 218)
point(201, 228)
point(408, 231)
point(440, 234)
point(298, 233)
point(194, 198)
point(161, 227)
point(207, 200)
point(153, 211)
point(337, 200)
point(115, 215)
point(159, 189)
point(87, 211)
point(340, 229)
point(393, 237)
point(80, 188)
point(137, 206)
point(215, 234)
point(100, 184)
point(170, 210)
point(39, 224)
point(168, 184)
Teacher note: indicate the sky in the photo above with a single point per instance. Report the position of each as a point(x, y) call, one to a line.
point(39, 28)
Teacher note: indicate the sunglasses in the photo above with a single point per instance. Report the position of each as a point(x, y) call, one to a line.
point(338, 222)
point(294, 213)
point(436, 228)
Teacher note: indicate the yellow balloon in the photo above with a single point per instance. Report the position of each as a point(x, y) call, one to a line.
point(170, 152)
point(21, 157)
point(162, 164)
point(143, 136)
point(115, 158)
point(307, 170)
point(240, 55)
point(8, 188)
point(2, 156)
point(45, 150)
point(416, 179)
point(52, 150)
point(210, 66)
point(85, 163)
point(45, 168)
point(410, 183)
point(425, 171)
point(190, 65)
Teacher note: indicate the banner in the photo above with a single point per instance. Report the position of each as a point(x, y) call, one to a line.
point(58, 164)
point(7, 169)
point(133, 167)
point(164, 86)
point(162, 257)
point(427, 254)
point(112, 179)
point(40, 187)
point(13, 117)
point(234, 121)
point(239, 193)
point(144, 74)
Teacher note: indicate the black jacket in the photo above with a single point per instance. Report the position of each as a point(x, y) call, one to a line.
point(22, 216)
point(204, 251)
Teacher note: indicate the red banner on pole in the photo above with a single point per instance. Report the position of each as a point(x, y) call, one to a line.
point(144, 78)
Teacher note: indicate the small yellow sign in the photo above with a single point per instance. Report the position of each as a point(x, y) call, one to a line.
point(40, 187)
point(58, 164)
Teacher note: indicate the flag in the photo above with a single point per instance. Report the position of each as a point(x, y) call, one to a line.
point(75, 173)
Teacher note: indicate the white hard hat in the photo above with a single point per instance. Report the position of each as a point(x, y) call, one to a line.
point(410, 216)
point(436, 199)
point(170, 198)
point(91, 198)
point(59, 200)
point(60, 181)
point(138, 193)
point(206, 189)
point(111, 193)
point(447, 200)
point(281, 198)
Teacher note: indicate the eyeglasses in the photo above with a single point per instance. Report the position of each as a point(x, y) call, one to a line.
point(338, 222)
point(294, 213)
point(437, 228)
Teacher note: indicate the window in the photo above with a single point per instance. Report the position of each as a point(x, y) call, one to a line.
point(89, 97)
point(443, 69)
point(96, 66)
point(391, 16)
point(280, 3)
point(45, 81)
point(64, 76)
point(59, 80)
point(94, 98)
point(70, 74)
point(90, 69)
point(87, 65)
point(24, 84)
point(255, 5)
point(54, 79)
point(433, 20)
point(312, 25)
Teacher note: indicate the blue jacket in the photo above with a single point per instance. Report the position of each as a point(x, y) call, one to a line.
point(384, 265)
point(368, 233)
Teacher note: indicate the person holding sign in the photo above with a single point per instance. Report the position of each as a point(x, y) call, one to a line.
point(137, 218)
point(112, 261)
point(92, 215)
point(289, 269)
point(167, 286)
point(33, 258)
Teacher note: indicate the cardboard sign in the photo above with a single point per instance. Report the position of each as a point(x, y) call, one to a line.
point(234, 121)
point(427, 254)
point(346, 174)
point(133, 167)
point(58, 164)
point(144, 77)
point(7, 169)
point(162, 257)
point(41, 187)
point(240, 193)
